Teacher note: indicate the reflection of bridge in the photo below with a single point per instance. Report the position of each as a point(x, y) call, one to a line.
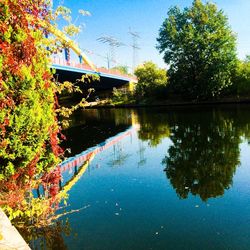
point(79, 159)
point(79, 163)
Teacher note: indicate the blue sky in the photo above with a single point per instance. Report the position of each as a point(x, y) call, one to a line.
point(114, 17)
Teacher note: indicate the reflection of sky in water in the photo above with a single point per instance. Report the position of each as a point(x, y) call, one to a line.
point(242, 176)
point(133, 206)
point(126, 200)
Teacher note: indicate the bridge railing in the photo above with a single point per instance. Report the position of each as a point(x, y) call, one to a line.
point(63, 62)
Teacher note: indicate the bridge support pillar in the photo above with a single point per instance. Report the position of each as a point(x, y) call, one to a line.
point(67, 55)
point(80, 59)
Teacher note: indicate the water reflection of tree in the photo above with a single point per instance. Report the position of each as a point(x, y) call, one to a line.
point(153, 127)
point(50, 237)
point(205, 150)
point(141, 152)
point(204, 154)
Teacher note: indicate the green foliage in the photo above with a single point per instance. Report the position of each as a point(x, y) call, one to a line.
point(70, 88)
point(151, 80)
point(122, 69)
point(64, 12)
point(29, 129)
point(122, 96)
point(71, 29)
point(28, 110)
point(241, 79)
point(27, 114)
point(200, 48)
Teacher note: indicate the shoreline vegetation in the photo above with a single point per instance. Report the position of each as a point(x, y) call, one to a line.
point(31, 119)
point(167, 103)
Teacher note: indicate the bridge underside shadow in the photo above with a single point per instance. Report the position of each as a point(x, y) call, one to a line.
point(105, 83)
point(91, 127)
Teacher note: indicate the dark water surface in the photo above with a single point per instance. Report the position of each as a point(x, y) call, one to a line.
point(164, 179)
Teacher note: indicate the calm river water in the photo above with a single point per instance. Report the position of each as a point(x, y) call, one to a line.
point(176, 178)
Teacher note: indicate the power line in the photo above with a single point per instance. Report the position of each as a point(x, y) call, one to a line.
point(113, 43)
point(135, 36)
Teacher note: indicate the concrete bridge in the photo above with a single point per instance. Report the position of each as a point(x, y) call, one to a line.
point(71, 71)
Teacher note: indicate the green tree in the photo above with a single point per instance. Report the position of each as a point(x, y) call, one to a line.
point(123, 69)
point(200, 48)
point(151, 79)
point(241, 79)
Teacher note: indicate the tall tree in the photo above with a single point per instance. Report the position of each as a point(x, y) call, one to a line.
point(200, 48)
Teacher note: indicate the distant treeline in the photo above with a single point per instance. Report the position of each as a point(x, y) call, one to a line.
point(199, 47)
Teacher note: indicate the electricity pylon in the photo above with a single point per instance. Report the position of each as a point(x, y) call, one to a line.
point(113, 43)
point(135, 46)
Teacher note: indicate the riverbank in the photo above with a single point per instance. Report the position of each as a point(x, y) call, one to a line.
point(10, 239)
point(167, 103)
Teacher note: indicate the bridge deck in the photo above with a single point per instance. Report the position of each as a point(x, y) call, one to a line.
point(85, 69)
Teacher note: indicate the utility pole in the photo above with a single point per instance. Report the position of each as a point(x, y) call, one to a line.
point(135, 36)
point(113, 43)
